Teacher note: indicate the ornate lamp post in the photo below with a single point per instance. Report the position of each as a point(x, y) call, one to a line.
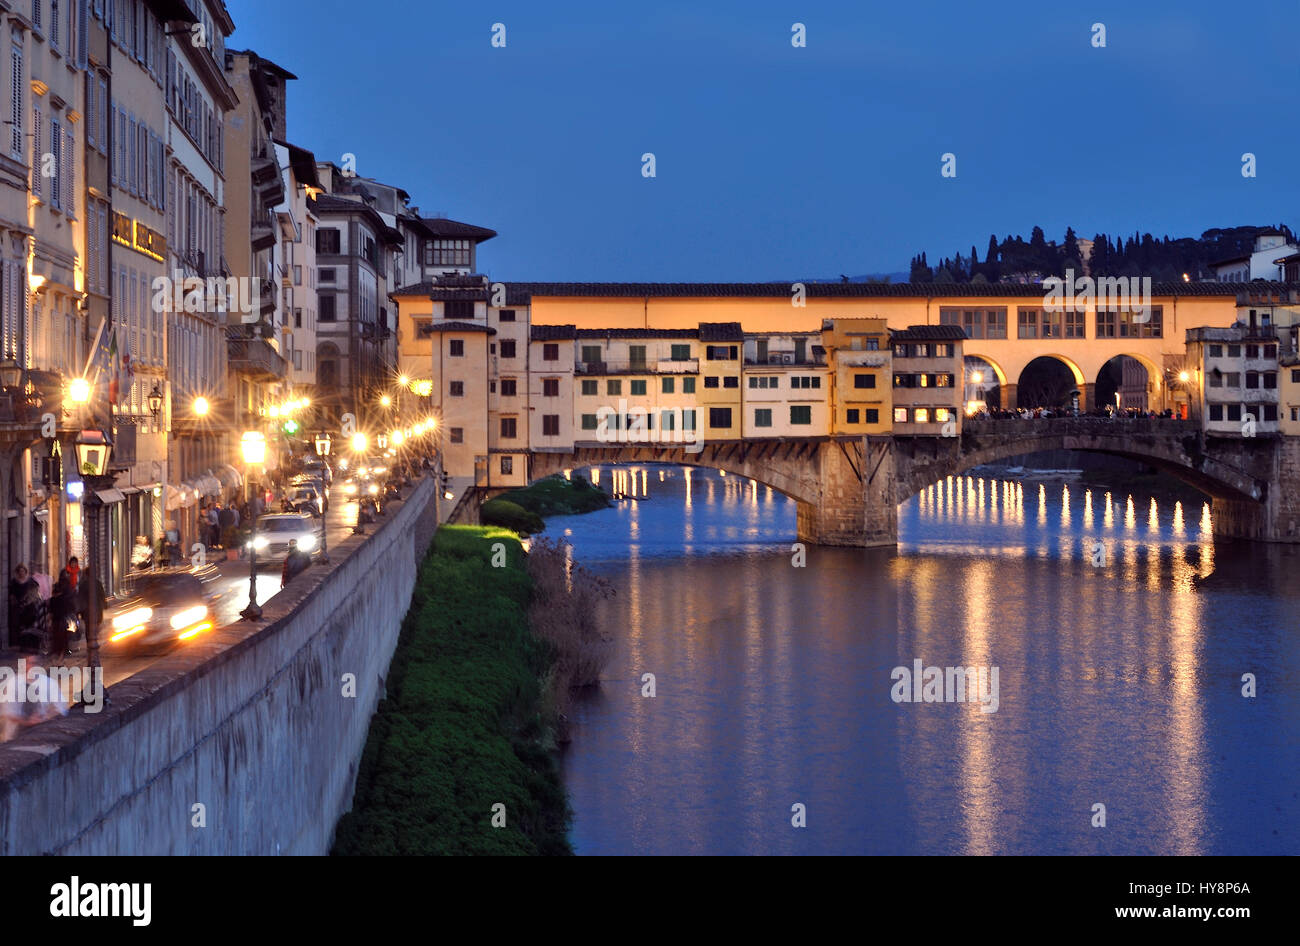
point(253, 445)
point(323, 444)
point(155, 400)
point(93, 449)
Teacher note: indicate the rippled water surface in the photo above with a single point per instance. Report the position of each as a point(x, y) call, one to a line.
point(1119, 630)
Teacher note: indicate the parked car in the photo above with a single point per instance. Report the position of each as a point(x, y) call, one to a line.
point(275, 532)
point(163, 607)
point(305, 498)
point(320, 468)
point(312, 482)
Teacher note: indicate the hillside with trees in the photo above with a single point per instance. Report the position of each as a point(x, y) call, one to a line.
point(1164, 259)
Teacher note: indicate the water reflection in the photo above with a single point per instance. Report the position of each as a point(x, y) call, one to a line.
point(1118, 678)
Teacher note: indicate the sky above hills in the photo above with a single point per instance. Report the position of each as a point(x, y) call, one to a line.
point(776, 162)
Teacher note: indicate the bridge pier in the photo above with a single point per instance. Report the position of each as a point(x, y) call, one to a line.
point(856, 503)
point(1277, 518)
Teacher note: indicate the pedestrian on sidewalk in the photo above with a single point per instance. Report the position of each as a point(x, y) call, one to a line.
point(296, 562)
point(214, 524)
point(26, 611)
point(91, 622)
point(63, 605)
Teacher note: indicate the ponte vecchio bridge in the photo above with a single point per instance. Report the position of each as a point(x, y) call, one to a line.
point(848, 489)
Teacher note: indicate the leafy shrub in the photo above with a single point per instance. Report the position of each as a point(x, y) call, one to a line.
point(462, 726)
point(556, 496)
point(502, 512)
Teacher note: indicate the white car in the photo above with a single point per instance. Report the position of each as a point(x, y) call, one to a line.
point(274, 533)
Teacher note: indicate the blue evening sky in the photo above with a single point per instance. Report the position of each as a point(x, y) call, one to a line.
point(775, 162)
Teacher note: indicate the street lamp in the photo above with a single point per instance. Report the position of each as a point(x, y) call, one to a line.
point(253, 445)
point(79, 390)
point(201, 407)
point(11, 373)
point(93, 450)
point(155, 400)
point(323, 444)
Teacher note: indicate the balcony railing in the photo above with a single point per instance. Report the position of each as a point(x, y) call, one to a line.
point(255, 358)
point(661, 366)
point(778, 359)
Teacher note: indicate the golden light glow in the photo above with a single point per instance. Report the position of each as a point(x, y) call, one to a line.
point(134, 618)
point(386, 401)
point(253, 446)
point(201, 406)
point(1184, 377)
point(36, 281)
point(404, 381)
point(423, 388)
point(397, 438)
point(79, 390)
point(977, 376)
point(197, 629)
point(360, 442)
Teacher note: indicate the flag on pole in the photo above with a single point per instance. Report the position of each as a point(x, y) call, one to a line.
point(98, 370)
point(114, 372)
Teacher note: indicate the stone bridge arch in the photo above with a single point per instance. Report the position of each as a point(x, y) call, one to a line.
point(848, 489)
point(823, 475)
point(1236, 472)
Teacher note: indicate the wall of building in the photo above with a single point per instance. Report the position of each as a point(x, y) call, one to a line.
point(252, 724)
point(1084, 356)
point(468, 412)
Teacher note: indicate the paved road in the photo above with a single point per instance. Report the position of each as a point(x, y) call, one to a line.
point(231, 598)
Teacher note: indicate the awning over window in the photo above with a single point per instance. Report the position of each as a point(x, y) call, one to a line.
point(229, 477)
point(110, 496)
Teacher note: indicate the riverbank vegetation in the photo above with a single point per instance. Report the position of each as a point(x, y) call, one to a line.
point(502, 512)
point(464, 726)
point(556, 496)
point(564, 613)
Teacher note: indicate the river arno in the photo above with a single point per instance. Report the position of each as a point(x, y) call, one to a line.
point(1119, 684)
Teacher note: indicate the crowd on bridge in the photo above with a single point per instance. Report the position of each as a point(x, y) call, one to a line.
point(1109, 412)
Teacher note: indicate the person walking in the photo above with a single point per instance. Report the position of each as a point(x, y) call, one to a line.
point(91, 621)
point(225, 520)
point(63, 605)
point(214, 525)
point(73, 571)
point(296, 562)
point(25, 611)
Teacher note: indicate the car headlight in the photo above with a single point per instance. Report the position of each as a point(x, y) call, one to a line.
point(189, 616)
point(132, 618)
point(307, 543)
point(350, 488)
point(374, 490)
point(260, 542)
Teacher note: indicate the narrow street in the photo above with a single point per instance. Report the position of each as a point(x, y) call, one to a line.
point(230, 599)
